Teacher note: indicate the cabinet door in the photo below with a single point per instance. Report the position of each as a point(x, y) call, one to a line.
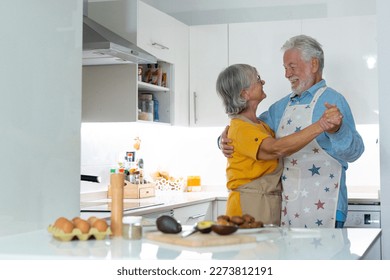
point(159, 33)
point(192, 214)
point(221, 207)
point(208, 57)
point(258, 44)
point(109, 93)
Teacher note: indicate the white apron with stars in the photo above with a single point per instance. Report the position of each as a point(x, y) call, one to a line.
point(311, 177)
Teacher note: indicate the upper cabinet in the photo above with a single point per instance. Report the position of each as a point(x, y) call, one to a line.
point(161, 35)
point(109, 94)
point(208, 57)
point(258, 44)
point(167, 39)
point(156, 33)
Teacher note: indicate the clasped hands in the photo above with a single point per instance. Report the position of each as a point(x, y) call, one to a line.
point(331, 119)
point(330, 122)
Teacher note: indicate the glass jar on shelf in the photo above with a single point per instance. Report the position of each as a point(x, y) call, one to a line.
point(146, 105)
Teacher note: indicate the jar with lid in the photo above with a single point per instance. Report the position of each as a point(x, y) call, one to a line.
point(146, 105)
point(132, 227)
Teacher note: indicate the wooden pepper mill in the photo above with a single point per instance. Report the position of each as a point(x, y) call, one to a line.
point(117, 182)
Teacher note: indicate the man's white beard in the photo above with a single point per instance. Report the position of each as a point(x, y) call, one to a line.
point(303, 85)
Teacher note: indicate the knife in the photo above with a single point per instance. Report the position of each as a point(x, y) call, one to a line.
point(189, 232)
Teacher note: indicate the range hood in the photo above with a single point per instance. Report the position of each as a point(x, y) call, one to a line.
point(102, 46)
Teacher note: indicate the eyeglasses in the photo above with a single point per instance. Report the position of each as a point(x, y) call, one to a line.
point(259, 80)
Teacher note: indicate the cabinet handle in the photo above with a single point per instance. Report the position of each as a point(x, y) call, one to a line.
point(195, 114)
point(160, 46)
point(196, 216)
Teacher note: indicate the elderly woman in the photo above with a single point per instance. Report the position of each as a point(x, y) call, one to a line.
point(254, 171)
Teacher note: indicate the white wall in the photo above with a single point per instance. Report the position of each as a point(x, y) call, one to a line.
point(40, 108)
point(383, 8)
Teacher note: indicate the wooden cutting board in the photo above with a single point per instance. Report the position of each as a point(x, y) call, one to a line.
point(200, 240)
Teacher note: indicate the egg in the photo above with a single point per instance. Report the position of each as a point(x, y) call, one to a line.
point(75, 219)
point(58, 223)
point(91, 220)
point(82, 225)
point(100, 224)
point(64, 224)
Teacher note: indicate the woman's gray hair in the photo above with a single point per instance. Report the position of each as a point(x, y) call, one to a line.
point(308, 46)
point(230, 83)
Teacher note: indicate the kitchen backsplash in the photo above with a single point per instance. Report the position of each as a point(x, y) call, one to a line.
point(184, 151)
point(181, 151)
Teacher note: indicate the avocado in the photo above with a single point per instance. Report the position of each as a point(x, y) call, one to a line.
point(168, 224)
point(204, 226)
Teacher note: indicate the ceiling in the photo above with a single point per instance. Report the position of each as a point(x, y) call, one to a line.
point(198, 12)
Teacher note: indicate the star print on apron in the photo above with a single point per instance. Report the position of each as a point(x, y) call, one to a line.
point(311, 177)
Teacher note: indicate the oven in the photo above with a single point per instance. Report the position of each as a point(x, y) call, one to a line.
point(365, 212)
point(363, 216)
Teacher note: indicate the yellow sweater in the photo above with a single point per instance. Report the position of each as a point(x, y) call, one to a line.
point(243, 167)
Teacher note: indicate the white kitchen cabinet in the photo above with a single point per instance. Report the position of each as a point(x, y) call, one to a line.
point(167, 39)
point(153, 216)
point(110, 94)
point(219, 208)
point(258, 44)
point(143, 25)
point(159, 34)
point(189, 215)
point(208, 57)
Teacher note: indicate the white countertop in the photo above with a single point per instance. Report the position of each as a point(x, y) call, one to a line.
point(167, 200)
point(271, 244)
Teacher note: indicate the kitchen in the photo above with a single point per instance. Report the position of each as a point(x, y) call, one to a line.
point(47, 196)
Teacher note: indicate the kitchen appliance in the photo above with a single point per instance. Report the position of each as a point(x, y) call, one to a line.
point(366, 215)
point(364, 211)
point(364, 207)
point(102, 46)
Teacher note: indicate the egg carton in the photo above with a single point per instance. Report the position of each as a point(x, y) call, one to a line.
point(170, 185)
point(76, 233)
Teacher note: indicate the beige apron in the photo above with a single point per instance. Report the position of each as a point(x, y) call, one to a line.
point(261, 197)
point(311, 177)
